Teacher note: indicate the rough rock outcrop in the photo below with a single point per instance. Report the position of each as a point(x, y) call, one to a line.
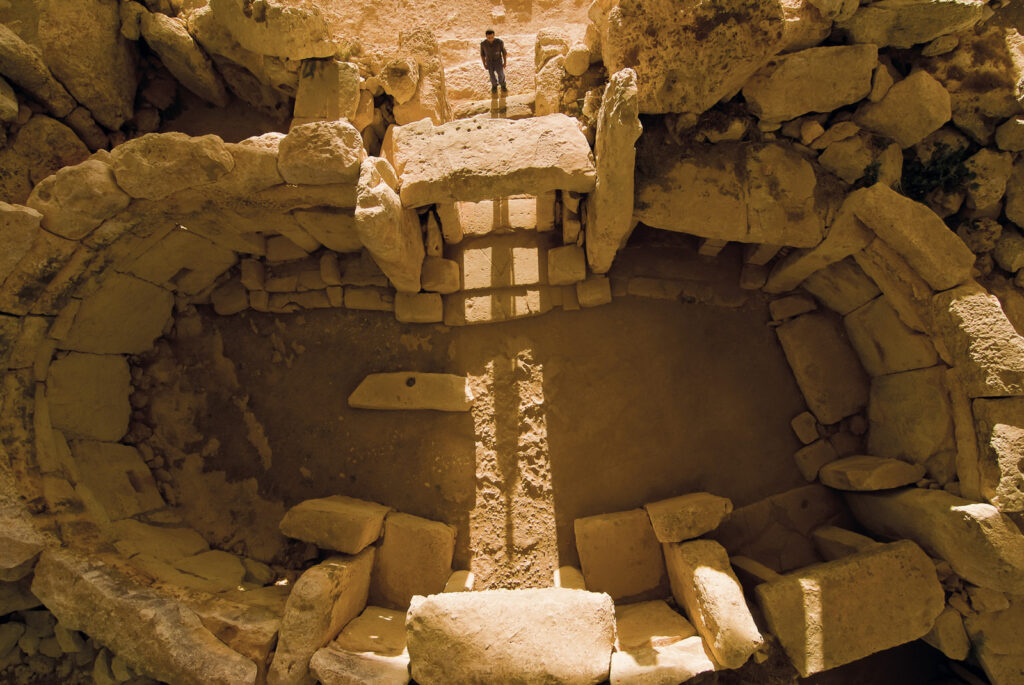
point(999, 424)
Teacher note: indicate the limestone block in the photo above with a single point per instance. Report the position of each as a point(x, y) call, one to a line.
point(619, 555)
point(904, 25)
point(1015, 195)
point(372, 299)
point(114, 478)
point(556, 635)
point(910, 416)
point(419, 307)
point(863, 472)
point(413, 390)
point(376, 630)
point(911, 110)
point(594, 291)
point(649, 37)
point(884, 343)
point(462, 581)
point(577, 60)
point(160, 164)
point(321, 152)
point(840, 611)
point(19, 226)
point(788, 307)
point(705, 585)
point(220, 568)
point(430, 101)
point(88, 396)
point(811, 458)
point(991, 171)
point(81, 44)
point(1010, 134)
point(505, 215)
point(77, 199)
point(999, 424)
point(133, 537)
point(986, 349)
point(335, 666)
point(982, 545)
point(181, 55)
point(687, 516)
point(339, 523)
point(815, 80)
point(984, 600)
point(24, 66)
point(461, 161)
point(805, 426)
point(328, 91)
point(567, 265)
point(610, 206)
point(678, 662)
point(392, 235)
point(124, 316)
point(1008, 250)
point(20, 545)
point(184, 261)
point(32, 268)
point(905, 290)
point(834, 542)
point(230, 298)
point(440, 275)
point(250, 630)
point(399, 78)
point(415, 558)
point(276, 30)
point(825, 367)
point(998, 631)
point(156, 636)
point(324, 599)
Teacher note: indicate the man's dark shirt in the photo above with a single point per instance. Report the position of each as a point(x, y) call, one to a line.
point(492, 53)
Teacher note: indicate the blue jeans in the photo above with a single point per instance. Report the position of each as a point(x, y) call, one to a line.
point(497, 74)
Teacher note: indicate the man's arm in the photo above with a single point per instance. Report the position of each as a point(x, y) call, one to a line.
point(483, 55)
point(504, 55)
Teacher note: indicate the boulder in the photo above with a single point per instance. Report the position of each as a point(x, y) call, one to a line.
point(77, 199)
point(430, 99)
point(88, 396)
point(415, 558)
point(328, 91)
point(181, 55)
point(320, 153)
point(704, 584)
point(869, 473)
point(825, 367)
point(577, 60)
point(985, 348)
point(399, 78)
point(884, 343)
point(39, 148)
point(23, 65)
point(324, 599)
point(687, 516)
point(841, 611)
point(904, 24)
point(335, 666)
point(619, 554)
point(276, 29)
point(83, 47)
point(911, 110)
point(124, 316)
point(113, 481)
point(160, 164)
point(19, 227)
point(910, 416)
point(814, 80)
point(999, 425)
point(610, 206)
point(553, 634)
point(948, 635)
point(982, 545)
point(991, 171)
point(413, 390)
point(339, 523)
point(688, 59)
point(391, 234)
point(461, 160)
point(905, 290)
point(155, 636)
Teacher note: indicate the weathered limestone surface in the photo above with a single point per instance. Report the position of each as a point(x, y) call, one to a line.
point(906, 291)
point(133, 537)
point(324, 599)
point(999, 424)
point(864, 472)
point(123, 317)
point(24, 66)
point(88, 396)
point(113, 481)
point(39, 148)
point(703, 582)
point(321, 153)
point(19, 226)
point(619, 554)
point(814, 80)
point(901, 25)
point(161, 164)
point(884, 343)
point(183, 57)
point(840, 611)
point(910, 416)
point(340, 523)
point(687, 516)
point(986, 349)
point(183, 261)
point(912, 109)
point(154, 635)
point(610, 206)
point(328, 91)
point(415, 558)
point(982, 545)
point(550, 635)
point(688, 59)
point(825, 367)
point(78, 198)
point(834, 542)
point(20, 544)
point(335, 666)
point(391, 234)
point(375, 630)
point(948, 635)
point(277, 29)
point(481, 159)
point(413, 390)
point(429, 100)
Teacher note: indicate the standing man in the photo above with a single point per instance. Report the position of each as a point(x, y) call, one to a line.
point(493, 55)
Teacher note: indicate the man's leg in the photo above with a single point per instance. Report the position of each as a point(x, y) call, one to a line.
point(501, 76)
point(494, 78)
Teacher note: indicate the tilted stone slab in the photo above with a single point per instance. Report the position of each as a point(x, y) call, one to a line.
point(842, 287)
point(391, 234)
point(415, 558)
point(113, 480)
point(910, 416)
point(78, 198)
point(987, 351)
point(687, 516)
point(982, 545)
point(124, 316)
point(999, 424)
point(481, 159)
point(619, 554)
point(156, 636)
point(24, 66)
point(20, 544)
point(524, 636)
point(413, 390)
point(884, 343)
point(864, 472)
point(340, 523)
point(840, 611)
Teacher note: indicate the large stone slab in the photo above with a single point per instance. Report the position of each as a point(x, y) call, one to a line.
point(181, 55)
point(814, 80)
point(688, 58)
point(124, 316)
point(415, 558)
point(183, 261)
point(77, 199)
point(982, 545)
point(276, 29)
point(391, 234)
point(161, 164)
point(24, 66)
point(619, 554)
point(703, 582)
point(863, 472)
point(481, 159)
point(904, 24)
point(524, 636)
point(340, 523)
point(687, 516)
point(840, 611)
point(825, 366)
point(884, 343)
point(113, 481)
point(610, 206)
point(413, 390)
point(88, 396)
point(911, 110)
point(156, 636)
point(910, 416)
point(986, 349)
point(906, 291)
point(321, 153)
point(999, 424)
point(324, 599)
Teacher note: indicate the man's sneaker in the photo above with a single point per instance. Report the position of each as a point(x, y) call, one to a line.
point(494, 89)
point(504, 89)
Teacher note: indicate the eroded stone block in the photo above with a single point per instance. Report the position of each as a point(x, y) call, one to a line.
point(620, 555)
point(339, 523)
